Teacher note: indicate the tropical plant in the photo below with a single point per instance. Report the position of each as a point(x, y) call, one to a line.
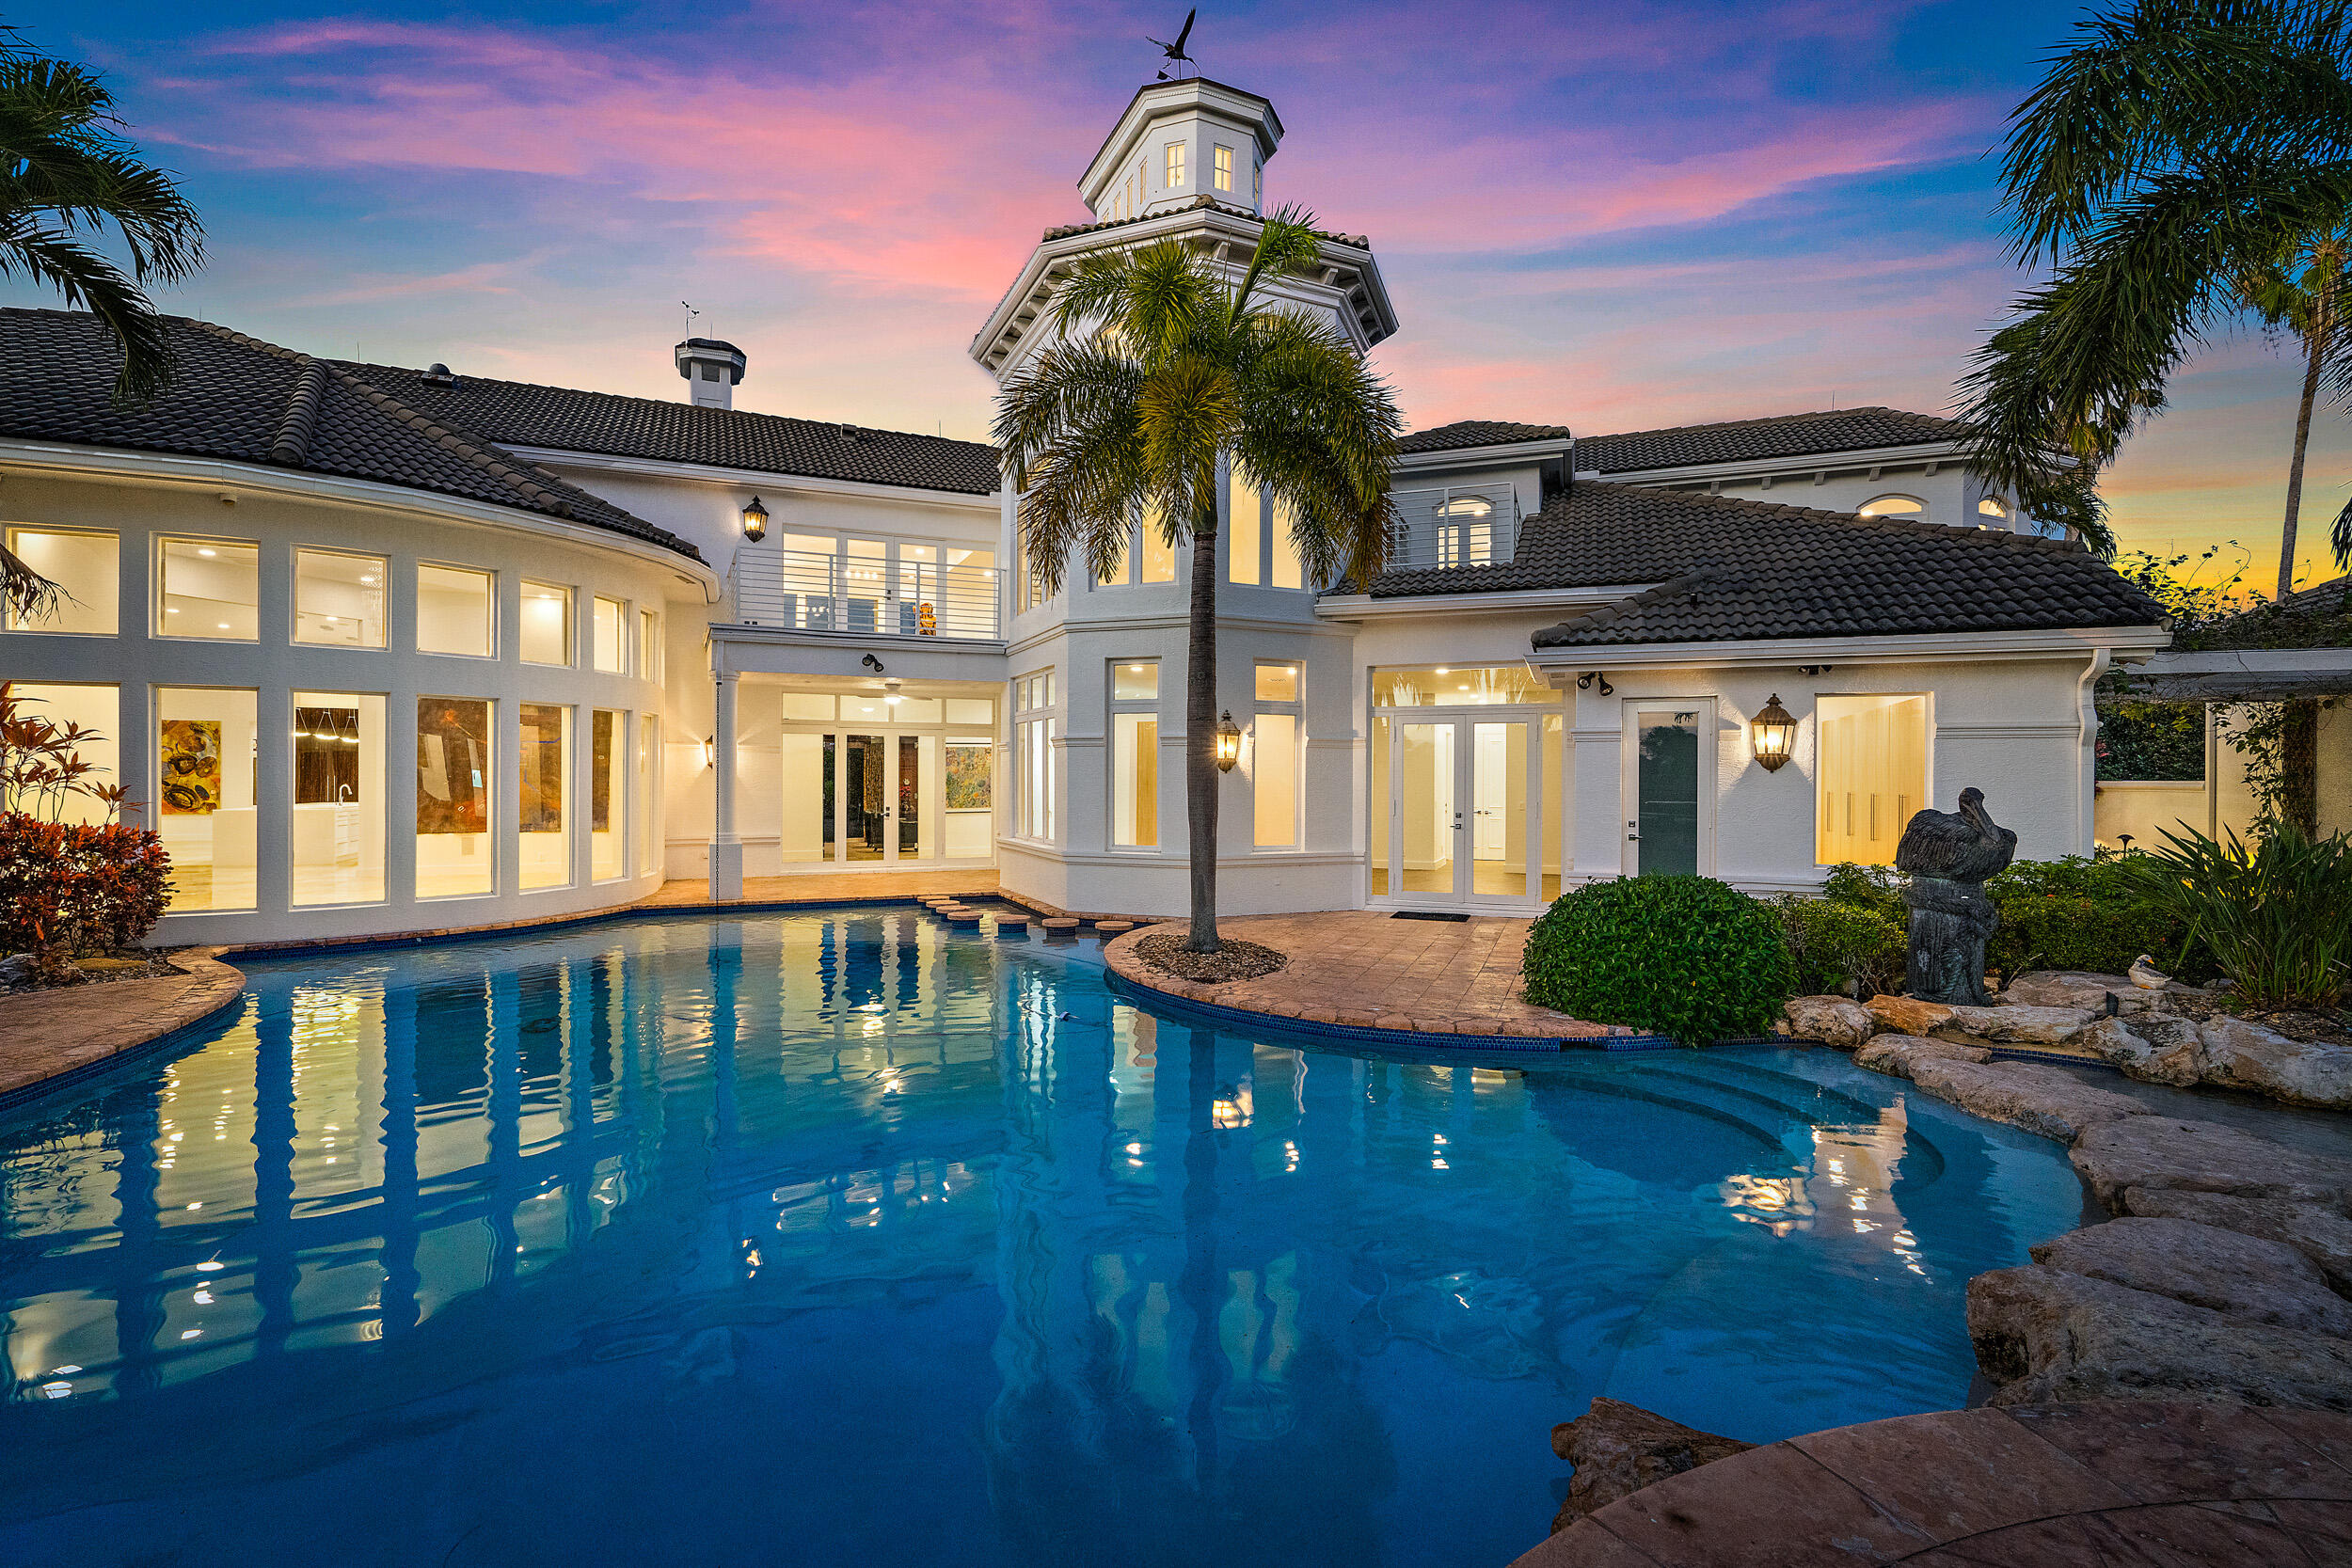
point(2184, 166)
point(41, 764)
point(1166, 367)
point(2276, 912)
point(1689, 957)
point(1841, 947)
point(71, 887)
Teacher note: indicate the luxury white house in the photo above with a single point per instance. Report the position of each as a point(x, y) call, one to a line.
point(626, 640)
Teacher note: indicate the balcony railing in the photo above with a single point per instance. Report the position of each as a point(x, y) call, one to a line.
point(1460, 525)
point(801, 591)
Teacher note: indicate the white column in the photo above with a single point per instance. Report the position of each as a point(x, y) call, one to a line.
point(726, 848)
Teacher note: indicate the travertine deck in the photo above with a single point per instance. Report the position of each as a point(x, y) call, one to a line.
point(1363, 968)
point(2061, 1486)
point(46, 1033)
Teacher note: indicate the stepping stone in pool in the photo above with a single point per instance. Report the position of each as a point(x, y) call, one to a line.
point(1015, 923)
point(1060, 926)
point(1112, 928)
point(963, 917)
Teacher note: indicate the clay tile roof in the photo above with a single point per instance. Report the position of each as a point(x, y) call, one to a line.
point(1481, 433)
point(1734, 570)
point(1744, 441)
point(239, 398)
point(525, 414)
point(1063, 230)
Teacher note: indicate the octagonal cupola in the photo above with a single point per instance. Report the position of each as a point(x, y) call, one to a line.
point(1177, 142)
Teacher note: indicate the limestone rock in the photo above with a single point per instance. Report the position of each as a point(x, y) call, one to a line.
point(2243, 1055)
point(1895, 1054)
point(1619, 1448)
point(1907, 1015)
point(2040, 1099)
point(2265, 1282)
point(2017, 1026)
point(2204, 1157)
point(2154, 1049)
point(1831, 1020)
point(2047, 1335)
point(2320, 1233)
point(2099, 993)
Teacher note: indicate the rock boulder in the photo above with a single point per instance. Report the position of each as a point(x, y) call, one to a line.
point(2320, 1233)
point(1896, 1055)
point(2154, 1049)
point(1619, 1448)
point(2099, 993)
point(1831, 1020)
point(2204, 1157)
point(2243, 1055)
point(2016, 1025)
point(2041, 1099)
point(2260, 1281)
point(1907, 1015)
point(2047, 1335)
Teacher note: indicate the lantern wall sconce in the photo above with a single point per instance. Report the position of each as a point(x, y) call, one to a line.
point(755, 521)
point(1228, 742)
point(1775, 732)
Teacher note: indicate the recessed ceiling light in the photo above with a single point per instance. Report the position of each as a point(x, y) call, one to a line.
point(1443, 671)
point(208, 551)
point(171, 610)
point(224, 626)
point(369, 581)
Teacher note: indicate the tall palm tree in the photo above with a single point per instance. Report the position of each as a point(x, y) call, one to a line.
point(1165, 366)
point(2301, 295)
point(66, 174)
point(2174, 150)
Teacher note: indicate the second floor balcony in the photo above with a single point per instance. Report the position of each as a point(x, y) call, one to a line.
point(1458, 524)
point(901, 591)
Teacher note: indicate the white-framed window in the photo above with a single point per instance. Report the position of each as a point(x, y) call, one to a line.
point(1994, 508)
point(97, 711)
point(1224, 168)
point(205, 805)
point(86, 566)
point(608, 795)
point(649, 659)
point(454, 858)
point(208, 588)
point(457, 613)
point(1149, 558)
point(542, 797)
point(1135, 711)
point(339, 781)
point(1034, 716)
point(1892, 506)
point(547, 632)
point(1256, 178)
point(1274, 753)
point(1175, 164)
point(649, 846)
point(1259, 546)
point(608, 635)
point(339, 598)
point(1869, 775)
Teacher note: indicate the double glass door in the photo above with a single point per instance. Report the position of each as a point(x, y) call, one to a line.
point(861, 797)
point(1469, 806)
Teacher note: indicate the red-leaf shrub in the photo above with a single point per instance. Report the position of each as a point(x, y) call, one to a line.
point(68, 887)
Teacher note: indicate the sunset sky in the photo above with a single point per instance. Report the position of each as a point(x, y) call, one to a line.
point(1612, 215)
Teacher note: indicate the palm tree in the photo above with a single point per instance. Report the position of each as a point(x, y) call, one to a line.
point(1165, 367)
point(2302, 296)
point(64, 173)
point(2175, 151)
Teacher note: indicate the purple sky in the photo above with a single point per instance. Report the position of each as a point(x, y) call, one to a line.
point(1611, 216)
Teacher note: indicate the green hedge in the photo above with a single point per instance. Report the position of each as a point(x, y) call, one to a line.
point(1686, 956)
point(1838, 946)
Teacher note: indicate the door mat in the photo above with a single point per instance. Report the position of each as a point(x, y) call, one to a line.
point(1427, 915)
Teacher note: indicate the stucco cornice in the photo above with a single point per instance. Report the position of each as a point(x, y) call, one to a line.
point(1563, 664)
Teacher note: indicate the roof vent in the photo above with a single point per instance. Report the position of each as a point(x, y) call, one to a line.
point(713, 369)
point(438, 374)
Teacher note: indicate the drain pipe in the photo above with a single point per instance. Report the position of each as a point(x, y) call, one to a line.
point(2086, 716)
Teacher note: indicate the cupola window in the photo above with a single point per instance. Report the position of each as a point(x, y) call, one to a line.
point(1224, 168)
point(1175, 165)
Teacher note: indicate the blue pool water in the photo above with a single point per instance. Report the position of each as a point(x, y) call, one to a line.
point(839, 1238)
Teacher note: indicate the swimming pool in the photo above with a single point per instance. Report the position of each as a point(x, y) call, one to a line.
point(839, 1237)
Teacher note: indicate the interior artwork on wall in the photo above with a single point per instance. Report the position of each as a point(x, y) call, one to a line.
point(191, 767)
point(968, 774)
point(453, 752)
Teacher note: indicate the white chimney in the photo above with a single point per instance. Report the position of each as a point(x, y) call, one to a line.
point(711, 368)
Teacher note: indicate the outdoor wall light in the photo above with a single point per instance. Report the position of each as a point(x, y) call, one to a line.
point(1228, 742)
point(1775, 732)
point(755, 521)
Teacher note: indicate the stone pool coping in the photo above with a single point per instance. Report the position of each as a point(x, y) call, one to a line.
point(52, 1036)
point(2045, 1486)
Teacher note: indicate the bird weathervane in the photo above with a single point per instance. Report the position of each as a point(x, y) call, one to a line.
point(1177, 58)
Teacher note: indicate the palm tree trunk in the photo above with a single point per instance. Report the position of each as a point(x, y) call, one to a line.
point(1200, 771)
point(2315, 348)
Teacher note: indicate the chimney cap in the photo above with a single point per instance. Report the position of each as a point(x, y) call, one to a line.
point(709, 351)
point(438, 374)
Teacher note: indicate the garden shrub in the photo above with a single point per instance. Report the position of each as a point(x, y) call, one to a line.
point(1840, 946)
point(1686, 956)
point(2276, 914)
point(67, 888)
point(2085, 914)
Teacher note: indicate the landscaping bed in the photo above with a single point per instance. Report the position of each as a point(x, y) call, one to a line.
point(1232, 960)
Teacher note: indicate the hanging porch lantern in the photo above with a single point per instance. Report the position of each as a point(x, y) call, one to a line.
point(755, 521)
point(1775, 732)
point(1228, 742)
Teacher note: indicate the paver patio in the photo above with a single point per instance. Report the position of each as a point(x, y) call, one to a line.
point(46, 1033)
point(1364, 968)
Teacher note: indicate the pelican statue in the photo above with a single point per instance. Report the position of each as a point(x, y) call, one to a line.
point(1947, 855)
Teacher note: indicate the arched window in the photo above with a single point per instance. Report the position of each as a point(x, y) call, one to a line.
point(1892, 506)
point(1993, 506)
point(1470, 508)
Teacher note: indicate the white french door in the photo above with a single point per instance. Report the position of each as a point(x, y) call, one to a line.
point(1461, 822)
point(882, 797)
